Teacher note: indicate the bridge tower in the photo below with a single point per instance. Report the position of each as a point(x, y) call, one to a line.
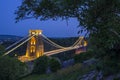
point(35, 47)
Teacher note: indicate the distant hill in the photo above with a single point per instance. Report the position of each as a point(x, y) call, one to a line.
point(9, 38)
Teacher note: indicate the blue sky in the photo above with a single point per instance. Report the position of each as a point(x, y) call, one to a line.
point(50, 28)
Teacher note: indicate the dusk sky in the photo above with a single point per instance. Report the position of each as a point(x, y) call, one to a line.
point(50, 28)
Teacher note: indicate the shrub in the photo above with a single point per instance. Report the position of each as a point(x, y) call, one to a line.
point(2, 50)
point(41, 65)
point(110, 66)
point(83, 56)
point(54, 64)
point(11, 68)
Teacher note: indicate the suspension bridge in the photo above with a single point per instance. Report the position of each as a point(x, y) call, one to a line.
point(35, 46)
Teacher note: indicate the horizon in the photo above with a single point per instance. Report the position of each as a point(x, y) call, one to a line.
point(46, 36)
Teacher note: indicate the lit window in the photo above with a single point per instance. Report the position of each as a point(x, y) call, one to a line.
point(32, 49)
point(33, 32)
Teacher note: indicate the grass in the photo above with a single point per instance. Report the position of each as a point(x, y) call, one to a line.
point(69, 73)
point(35, 77)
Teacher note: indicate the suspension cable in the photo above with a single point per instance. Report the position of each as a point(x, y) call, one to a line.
point(60, 50)
point(76, 42)
point(52, 42)
point(79, 41)
point(17, 46)
point(16, 43)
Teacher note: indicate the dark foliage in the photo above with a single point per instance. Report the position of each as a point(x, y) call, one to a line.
point(54, 64)
point(111, 60)
point(41, 65)
point(11, 68)
point(2, 50)
point(101, 19)
point(84, 56)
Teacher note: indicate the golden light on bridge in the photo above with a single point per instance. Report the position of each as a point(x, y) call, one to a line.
point(36, 32)
point(85, 43)
point(34, 46)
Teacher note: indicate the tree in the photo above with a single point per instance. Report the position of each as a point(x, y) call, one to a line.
point(83, 56)
point(2, 49)
point(11, 68)
point(54, 64)
point(101, 19)
point(47, 9)
point(41, 65)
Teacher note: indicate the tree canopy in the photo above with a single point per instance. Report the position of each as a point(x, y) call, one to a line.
point(47, 9)
point(2, 49)
point(101, 18)
point(41, 65)
point(11, 68)
point(54, 64)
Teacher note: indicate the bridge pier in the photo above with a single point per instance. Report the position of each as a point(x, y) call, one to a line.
point(35, 46)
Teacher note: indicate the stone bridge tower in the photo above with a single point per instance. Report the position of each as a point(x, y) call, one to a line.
point(35, 47)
